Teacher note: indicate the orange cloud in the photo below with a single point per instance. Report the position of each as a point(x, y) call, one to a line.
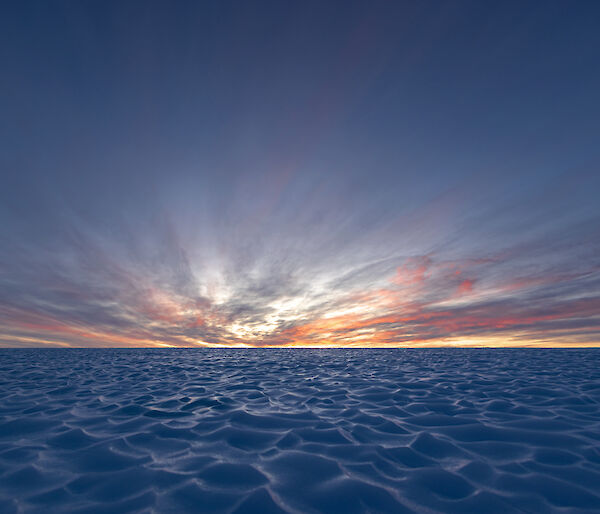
point(466, 286)
point(418, 307)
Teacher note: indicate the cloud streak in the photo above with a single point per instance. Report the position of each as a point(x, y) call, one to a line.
point(343, 175)
point(145, 292)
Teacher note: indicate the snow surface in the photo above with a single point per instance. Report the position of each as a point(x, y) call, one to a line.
point(211, 430)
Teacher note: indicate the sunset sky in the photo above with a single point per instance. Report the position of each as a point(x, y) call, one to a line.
point(299, 173)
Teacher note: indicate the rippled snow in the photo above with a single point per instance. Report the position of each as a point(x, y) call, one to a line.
point(299, 430)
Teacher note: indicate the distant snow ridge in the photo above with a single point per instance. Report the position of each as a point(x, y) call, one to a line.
point(264, 431)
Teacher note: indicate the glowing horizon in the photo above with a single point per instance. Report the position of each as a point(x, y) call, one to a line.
point(424, 303)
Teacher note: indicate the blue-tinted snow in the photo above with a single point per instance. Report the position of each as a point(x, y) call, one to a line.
point(300, 430)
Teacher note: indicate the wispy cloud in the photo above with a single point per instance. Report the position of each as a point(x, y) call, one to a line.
point(292, 176)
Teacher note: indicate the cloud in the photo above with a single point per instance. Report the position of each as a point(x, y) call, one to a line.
point(306, 261)
point(419, 300)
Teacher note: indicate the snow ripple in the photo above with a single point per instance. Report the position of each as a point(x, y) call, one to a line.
point(215, 430)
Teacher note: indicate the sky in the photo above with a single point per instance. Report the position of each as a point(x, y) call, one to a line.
point(299, 173)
